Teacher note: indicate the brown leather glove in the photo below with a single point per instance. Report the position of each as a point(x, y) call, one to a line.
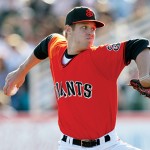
point(135, 83)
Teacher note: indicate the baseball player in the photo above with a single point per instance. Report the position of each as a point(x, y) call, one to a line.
point(85, 79)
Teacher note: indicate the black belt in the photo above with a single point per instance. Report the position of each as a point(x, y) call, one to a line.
point(87, 143)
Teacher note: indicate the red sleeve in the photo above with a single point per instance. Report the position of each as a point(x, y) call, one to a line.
point(109, 60)
point(54, 44)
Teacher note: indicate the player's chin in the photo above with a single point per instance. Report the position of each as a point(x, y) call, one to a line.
point(89, 44)
point(90, 41)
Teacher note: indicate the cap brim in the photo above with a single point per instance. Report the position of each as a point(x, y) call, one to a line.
point(98, 23)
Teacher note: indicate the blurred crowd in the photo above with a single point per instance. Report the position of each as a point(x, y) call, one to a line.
point(24, 23)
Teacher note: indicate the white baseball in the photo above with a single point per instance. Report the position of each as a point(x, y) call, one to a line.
point(14, 91)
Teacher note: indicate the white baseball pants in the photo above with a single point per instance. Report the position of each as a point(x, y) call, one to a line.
point(114, 144)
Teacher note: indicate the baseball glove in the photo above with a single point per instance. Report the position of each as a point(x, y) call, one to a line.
point(137, 86)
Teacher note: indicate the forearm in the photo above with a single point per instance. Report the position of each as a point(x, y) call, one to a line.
point(17, 77)
point(28, 64)
point(143, 64)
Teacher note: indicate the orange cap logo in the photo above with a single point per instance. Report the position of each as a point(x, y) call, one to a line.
point(89, 13)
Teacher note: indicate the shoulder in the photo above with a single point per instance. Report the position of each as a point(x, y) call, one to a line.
point(57, 37)
point(52, 38)
point(113, 47)
point(57, 40)
point(56, 44)
point(139, 42)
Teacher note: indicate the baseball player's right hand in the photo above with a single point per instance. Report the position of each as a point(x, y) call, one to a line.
point(13, 81)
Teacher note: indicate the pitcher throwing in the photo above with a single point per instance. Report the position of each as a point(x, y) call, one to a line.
point(85, 80)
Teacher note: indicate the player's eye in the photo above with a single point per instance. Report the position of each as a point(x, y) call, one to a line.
point(84, 27)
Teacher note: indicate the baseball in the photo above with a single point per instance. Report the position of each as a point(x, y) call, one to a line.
point(14, 91)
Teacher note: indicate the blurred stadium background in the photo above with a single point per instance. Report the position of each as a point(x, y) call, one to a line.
point(28, 120)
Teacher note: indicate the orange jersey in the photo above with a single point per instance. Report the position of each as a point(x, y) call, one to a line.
point(86, 88)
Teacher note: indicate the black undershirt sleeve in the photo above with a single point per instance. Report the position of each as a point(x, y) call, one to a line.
point(41, 50)
point(133, 48)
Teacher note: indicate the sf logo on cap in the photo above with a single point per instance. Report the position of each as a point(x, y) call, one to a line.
point(89, 13)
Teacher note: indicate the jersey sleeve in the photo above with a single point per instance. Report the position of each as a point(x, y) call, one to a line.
point(41, 50)
point(133, 48)
point(109, 60)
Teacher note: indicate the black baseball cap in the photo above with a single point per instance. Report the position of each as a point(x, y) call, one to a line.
point(82, 14)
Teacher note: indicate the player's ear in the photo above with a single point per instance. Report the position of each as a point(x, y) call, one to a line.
point(68, 29)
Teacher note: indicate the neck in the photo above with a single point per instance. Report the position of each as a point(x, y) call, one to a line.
point(74, 49)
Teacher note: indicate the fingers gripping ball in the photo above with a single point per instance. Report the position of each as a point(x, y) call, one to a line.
point(14, 90)
point(137, 86)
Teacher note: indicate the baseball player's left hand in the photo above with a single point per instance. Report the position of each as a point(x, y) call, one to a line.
point(135, 83)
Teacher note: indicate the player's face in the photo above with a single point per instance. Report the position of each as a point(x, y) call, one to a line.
point(84, 34)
